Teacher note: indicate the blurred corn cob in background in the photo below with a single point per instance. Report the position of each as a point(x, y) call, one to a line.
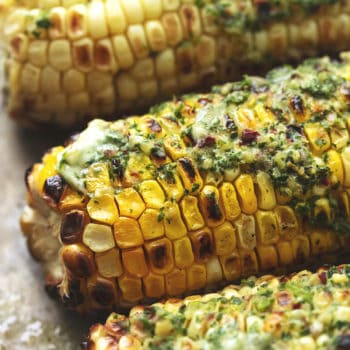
point(201, 191)
point(70, 59)
point(305, 311)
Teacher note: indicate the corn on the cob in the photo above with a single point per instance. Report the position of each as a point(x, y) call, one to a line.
point(205, 189)
point(304, 311)
point(69, 59)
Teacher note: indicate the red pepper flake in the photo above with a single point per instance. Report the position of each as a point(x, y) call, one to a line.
point(249, 136)
point(323, 277)
point(297, 306)
point(207, 142)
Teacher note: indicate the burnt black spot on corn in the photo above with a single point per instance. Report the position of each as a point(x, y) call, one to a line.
point(271, 193)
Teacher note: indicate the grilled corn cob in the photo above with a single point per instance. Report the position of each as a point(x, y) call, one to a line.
point(203, 190)
point(305, 311)
point(68, 60)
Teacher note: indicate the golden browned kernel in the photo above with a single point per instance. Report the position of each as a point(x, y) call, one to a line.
point(78, 260)
point(202, 243)
point(72, 226)
point(160, 255)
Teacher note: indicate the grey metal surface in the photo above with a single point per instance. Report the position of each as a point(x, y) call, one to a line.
point(29, 319)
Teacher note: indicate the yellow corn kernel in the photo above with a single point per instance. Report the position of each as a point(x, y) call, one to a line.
point(202, 244)
point(19, 47)
point(287, 222)
point(160, 255)
point(97, 177)
point(210, 206)
point(318, 138)
point(133, 11)
point(163, 328)
point(134, 262)
point(115, 17)
point(99, 238)
point(71, 200)
point(139, 168)
point(165, 68)
point(264, 116)
point(173, 224)
point(345, 156)
point(173, 28)
point(196, 277)
point(138, 42)
point(156, 35)
point(214, 271)
point(335, 165)
point(322, 209)
point(342, 314)
point(191, 213)
point(183, 253)
point(333, 241)
point(37, 52)
point(267, 228)
point(301, 249)
point(97, 20)
point(191, 21)
point(131, 288)
point(246, 195)
point(345, 203)
point(173, 187)
point(127, 233)
point(265, 191)
point(285, 253)
point(231, 266)
point(151, 224)
point(249, 262)
point(175, 282)
point(77, 21)
point(143, 69)
point(230, 201)
point(152, 8)
point(152, 194)
point(174, 147)
point(109, 263)
point(154, 285)
point(189, 174)
point(267, 257)
point(246, 233)
point(102, 208)
point(319, 242)
point(130, 203)
point(59, 54)
point(339, 136)
point(224, 238)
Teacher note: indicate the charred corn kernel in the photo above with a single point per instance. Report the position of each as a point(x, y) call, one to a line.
point(318, 242)
point(230, 202)
point(58, 27)
point(268, 258)
point(196, 277)
point(134, 262)
point(78, 260)
point(335, 164)
point(267, 227)
point(83, 54)
point(104, 57)
point(189, 174)
point(224, 238)
point(183, 253)
point(173, 28)
point(190, 19)
point(246, 232)
point(160, 255)
point(173, 224)
point(109, 263)
point(151, 224)
point(265, 191)
point(102, 291)
point(202, 244)
point(211, 207)
point(191, 213)
point(287, 222)
point(99, 238)
point(173, 188)
point(152, 194)
point(77, 21)
point(249, 262)
point(285, 253)
point(131, 288)
point(231, 266)
point(127, 233)
point(246, 195)
point(154, 285)
point(102, 208)
point(214, 271)
point(175, 282)
point(97, 178)
point(130, 203)
point(301, 248)
point(318, 138)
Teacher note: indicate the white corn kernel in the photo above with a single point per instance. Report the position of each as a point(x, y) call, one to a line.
point(123, 51)
point(98, 81)
point(97, 20)
point(79, 101)
point(133, 11)
point(50, 80)
point(206, 51)
point(99, 238)
point(165, 64)
point(77, 22)
point(149, 88)
point(105, 100)
point(152, 8)
point(137, 39)
point(169, 86)
point(58, 23)
point(171, 5)
point(15, 23)
point(155, 35)
point(37, 52)
point(143, 69)
point(57, 103)
point(30, 79)
point(115, 17)
point(127, 87)
point(73, 81)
